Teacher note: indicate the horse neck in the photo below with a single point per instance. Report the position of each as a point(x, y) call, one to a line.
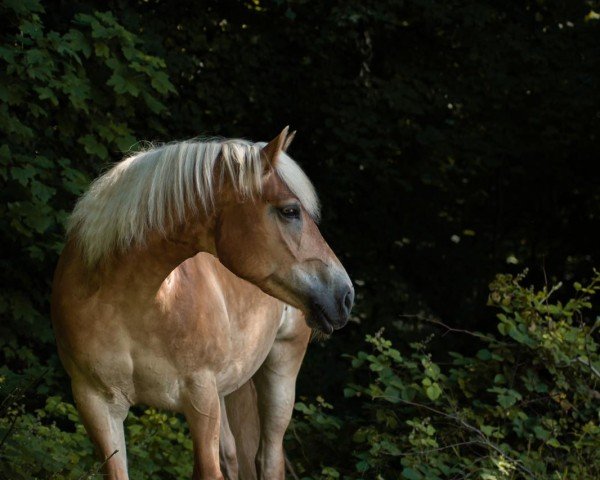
point(145, 267)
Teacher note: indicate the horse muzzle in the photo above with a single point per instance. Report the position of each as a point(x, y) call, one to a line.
point(329, 308)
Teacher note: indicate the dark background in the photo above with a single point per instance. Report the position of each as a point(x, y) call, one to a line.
point(448, 141)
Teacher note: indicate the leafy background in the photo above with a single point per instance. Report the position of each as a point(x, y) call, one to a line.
point(449, 141)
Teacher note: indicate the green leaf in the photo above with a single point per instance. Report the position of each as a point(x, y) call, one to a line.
point(508, 398)
point(553, 442)
point(330, 472)
point(23, 174)
point(5, 153)
point(42, 192)
point(24, 6)
point(411, 474)
point(362, 466)
point(77, 42)
point(433, 391)
point(122, 85)
point(101, 50)
point(432, 371)
point(484, 354)
point(93, 147)
point(45, 93)
point(153, 104)
point(160, 81)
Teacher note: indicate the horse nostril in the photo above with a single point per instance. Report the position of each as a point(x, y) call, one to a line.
point(348, 301)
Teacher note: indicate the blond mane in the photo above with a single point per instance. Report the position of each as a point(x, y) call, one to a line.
point(154, 189)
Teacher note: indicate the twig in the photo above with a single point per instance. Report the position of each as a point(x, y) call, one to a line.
point(448, 328)
point(295, 433)
point(9, 431)
point(13, 397)
point(290, 468)
point(593, 369)
point(89, 474)
point(484, 440)
point(19, 392)
point(445, 447)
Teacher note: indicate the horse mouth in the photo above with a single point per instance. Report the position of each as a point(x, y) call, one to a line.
point(319, 320)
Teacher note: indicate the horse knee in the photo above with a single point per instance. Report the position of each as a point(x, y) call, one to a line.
point(270, 463)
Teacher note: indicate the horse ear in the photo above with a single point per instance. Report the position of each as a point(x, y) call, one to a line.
point(289, 140)
point(272, 150)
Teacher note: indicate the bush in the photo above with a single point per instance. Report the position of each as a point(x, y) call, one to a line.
point(71, 99)
point(52, 443)
point(525, 405)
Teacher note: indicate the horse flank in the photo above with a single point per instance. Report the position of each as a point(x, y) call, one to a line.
point(154, 189)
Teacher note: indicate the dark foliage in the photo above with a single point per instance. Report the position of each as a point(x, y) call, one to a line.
point(448, 140)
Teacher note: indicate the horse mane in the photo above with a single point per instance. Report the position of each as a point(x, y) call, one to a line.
point(154, 189)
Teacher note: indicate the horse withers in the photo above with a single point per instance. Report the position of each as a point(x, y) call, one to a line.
point(139, 318)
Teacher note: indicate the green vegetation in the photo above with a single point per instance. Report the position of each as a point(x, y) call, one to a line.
point(523, 405)
point(449, 140)
point(51, 443)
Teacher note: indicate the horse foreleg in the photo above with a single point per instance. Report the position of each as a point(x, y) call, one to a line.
point(242, 414)
point(275, 384)
point(227, 447)
point(202, 412)
point(103, 421)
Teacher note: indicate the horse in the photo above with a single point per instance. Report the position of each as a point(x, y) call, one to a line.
point(241, 428)
point(140, 317)
point(240, 434)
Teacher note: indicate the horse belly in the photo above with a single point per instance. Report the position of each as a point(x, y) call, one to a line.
point(156, 382)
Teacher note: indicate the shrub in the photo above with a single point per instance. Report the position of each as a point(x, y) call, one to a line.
point(524, 405)
point(51, 443)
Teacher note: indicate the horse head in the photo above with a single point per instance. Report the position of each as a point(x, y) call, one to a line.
point(272, 240)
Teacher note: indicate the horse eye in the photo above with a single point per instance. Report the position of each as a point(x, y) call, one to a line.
point(290, 212)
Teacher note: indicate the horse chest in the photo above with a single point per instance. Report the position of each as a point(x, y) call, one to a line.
point(229, 348)
point(246, 357)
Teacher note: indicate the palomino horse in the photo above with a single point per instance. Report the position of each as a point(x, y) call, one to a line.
point(242, 434)
point(139, 317)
